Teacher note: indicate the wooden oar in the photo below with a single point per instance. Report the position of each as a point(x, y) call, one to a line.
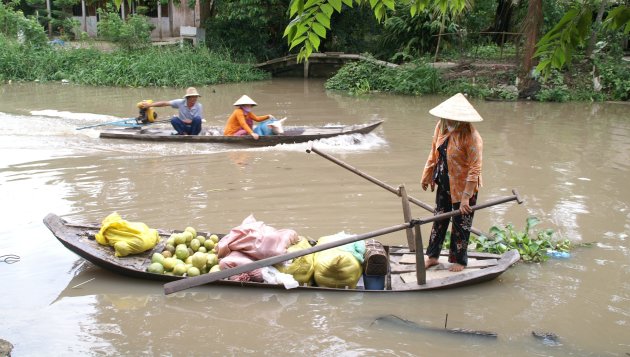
point(383, 185)
point(190, 282)
point(132, 122)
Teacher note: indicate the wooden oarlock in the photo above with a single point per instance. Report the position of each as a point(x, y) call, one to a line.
point(414, 238)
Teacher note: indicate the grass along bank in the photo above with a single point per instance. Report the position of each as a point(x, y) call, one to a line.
point(171, 66)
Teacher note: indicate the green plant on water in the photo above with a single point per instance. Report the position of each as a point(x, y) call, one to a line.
point(361, 87)
point(532, 245)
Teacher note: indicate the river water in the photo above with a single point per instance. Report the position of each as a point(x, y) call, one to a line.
point(570, 163)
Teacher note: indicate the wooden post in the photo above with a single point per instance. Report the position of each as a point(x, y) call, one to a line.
point(171, 14)
point(411, 242)
point(159, 13)
point(49, 18)
point(306, 69)
point(83, 15)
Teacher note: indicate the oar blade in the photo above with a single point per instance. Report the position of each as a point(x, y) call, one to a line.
point(124, 122)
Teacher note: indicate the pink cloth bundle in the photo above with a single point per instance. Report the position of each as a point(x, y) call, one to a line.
point(253, 240)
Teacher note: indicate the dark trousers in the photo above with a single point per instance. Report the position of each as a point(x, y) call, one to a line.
point(193, 128)
point(460, 231)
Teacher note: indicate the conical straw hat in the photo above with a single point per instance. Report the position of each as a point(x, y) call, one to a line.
point(245, 100)
point(192, 92)
point(456, 108)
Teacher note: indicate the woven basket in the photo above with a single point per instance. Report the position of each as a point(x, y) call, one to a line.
point(375, 258)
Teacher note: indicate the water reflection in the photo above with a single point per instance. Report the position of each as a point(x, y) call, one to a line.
point(569, 162)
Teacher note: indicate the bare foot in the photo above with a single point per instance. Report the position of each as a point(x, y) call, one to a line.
point(429, 262)
point(456, 267)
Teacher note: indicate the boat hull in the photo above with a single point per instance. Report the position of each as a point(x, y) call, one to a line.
point(291, 135)
point(80, 240)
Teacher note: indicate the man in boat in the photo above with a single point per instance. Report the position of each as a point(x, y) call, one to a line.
point(242, 120)
point(188, 121)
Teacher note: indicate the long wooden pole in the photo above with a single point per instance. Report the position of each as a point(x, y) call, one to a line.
point(191, 282)
point(383, 184)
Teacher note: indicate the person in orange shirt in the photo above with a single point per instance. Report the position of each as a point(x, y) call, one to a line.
point(454, 165)
point(242, 120)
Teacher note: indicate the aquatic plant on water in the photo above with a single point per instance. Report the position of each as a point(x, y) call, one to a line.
point(532, 245)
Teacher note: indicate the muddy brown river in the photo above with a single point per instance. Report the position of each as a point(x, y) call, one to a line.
point(570, 162)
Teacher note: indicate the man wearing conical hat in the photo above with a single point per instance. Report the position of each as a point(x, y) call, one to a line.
point(454, 166)
point(188, 121)
point(241, 121)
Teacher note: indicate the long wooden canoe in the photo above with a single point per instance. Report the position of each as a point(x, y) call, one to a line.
point(292, 134)
point(79, 238)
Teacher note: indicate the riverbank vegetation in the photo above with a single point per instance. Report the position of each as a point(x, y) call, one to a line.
point(133, 64)
point(505, 50)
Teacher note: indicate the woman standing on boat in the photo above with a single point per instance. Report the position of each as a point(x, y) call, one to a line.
point(188, 122)
point(241, 122)
point(454, 165)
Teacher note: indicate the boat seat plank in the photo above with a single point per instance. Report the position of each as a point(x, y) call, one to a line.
point(411, 277)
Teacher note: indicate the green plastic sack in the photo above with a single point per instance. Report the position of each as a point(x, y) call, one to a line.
point(126, 237)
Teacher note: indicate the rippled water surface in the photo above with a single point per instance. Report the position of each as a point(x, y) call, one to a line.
point(569, 161)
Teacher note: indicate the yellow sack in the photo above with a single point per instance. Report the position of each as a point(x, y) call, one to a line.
point(126, 237)
point(301, 267)
point(336, 267)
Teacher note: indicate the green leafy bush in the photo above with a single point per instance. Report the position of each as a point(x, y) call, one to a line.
point(14, 25)
point(368, 75)
point(250, 29)
point(468, 87)
point(615, 78)
point(554, 89)
point(132, 34)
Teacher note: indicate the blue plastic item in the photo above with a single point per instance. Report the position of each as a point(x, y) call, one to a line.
point(263, 128)
point(558, 254)
point(374, 282)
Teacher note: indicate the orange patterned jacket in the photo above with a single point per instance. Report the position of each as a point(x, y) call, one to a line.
point(463, 157)
point(236, 121)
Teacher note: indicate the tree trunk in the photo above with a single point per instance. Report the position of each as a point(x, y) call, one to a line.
point(596, 28)
point(83, 15)
point(531, 30)
point(205, 11)
point(49, 18)
point(502, 18)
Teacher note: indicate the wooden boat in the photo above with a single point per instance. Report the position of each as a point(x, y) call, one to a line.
point(292, 134)
point(399, 277)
